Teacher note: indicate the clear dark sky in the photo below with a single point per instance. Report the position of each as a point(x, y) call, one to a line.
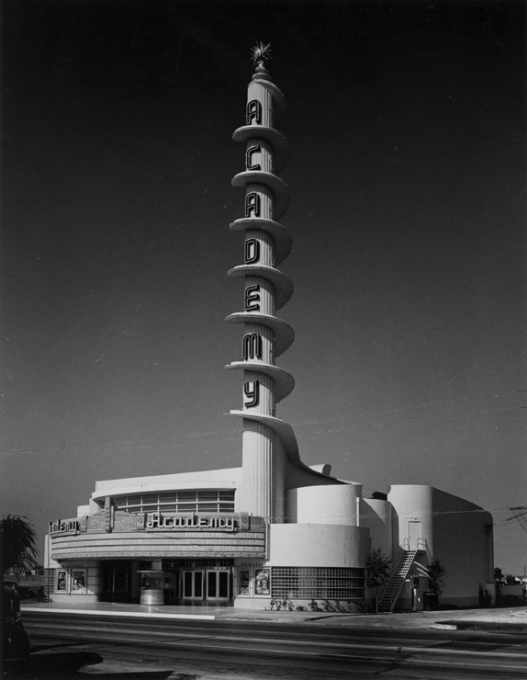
point(407, 127)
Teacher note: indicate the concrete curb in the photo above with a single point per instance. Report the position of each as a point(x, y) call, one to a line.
point(142, 615)
point(491, 626)
point(489, 620)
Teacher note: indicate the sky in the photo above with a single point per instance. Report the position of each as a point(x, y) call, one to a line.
point(406, 122)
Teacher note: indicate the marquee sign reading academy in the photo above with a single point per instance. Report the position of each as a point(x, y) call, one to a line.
point(158, 534)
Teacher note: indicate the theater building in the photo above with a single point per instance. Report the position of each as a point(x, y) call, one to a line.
point(273, 528)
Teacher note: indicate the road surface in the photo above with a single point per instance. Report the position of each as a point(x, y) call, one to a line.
point(125, 648)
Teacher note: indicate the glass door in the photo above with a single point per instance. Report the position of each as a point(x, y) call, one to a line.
point(116, 581)
point(218, 584)
point(192, 585)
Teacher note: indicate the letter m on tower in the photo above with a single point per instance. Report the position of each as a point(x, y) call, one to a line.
point(252, 346)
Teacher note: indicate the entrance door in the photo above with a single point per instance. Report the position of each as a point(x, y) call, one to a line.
point(116, 581)
point(218, 584)
point(192, 585)
point(414, 534)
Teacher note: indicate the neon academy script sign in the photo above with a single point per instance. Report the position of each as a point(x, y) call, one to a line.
point(157, 520)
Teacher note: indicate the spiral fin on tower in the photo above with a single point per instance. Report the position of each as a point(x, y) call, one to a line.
point(267, 289)
point(283, 334)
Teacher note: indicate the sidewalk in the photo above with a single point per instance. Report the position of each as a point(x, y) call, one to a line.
point(512, 620)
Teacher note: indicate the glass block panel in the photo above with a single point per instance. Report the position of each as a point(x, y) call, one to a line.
point(317, 583)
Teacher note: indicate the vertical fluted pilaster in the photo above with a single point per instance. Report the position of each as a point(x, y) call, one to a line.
point(257, 463)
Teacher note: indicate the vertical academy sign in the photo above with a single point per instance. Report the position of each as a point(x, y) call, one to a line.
point(266, 289)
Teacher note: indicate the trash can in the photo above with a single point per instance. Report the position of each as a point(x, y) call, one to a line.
point(431, 602)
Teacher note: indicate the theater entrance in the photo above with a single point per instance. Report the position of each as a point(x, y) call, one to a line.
point(116, 581)
point(202, 580)
point(206, 584)
point(192, 585)
point(218, 585)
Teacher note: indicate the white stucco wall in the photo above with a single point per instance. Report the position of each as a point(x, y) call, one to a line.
point(317, 545)
point(412, 504)
point(49, 563)
point(376, 515)
point(229, 478)
point(454, 530)
point(328, 504)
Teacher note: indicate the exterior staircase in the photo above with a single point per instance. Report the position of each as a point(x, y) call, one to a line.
point(390, 592)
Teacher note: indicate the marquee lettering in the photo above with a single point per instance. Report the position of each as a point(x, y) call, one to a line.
point(248, 160)
point(254, 112)
point(156, 520)
point(252, 346)
point(64, 526)
point(252, 250)
point(251, 391)
point(252, 204)
point(252, 298)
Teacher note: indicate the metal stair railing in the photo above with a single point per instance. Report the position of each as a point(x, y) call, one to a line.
point(402, 564)
point(391, 591)
point(422, 546)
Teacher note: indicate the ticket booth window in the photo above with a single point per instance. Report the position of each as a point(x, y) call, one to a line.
point(61, 581)
point(157, 587)
point(78, 582)
point(243, 581)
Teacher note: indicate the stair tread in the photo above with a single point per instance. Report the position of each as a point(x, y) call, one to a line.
point(393, 587)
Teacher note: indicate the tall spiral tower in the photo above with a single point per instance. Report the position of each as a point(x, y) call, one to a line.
point(267, 441)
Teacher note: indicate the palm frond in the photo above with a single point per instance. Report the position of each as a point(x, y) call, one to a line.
point(18, 537)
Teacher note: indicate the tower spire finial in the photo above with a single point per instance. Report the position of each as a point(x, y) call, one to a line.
point(260, 53)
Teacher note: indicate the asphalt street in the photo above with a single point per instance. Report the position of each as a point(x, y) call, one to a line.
point(229, 646)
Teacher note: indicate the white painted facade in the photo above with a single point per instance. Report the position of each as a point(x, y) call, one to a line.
point(274, 528)
point(326, 526)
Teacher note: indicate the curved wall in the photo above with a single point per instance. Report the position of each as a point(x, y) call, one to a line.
point(222, 479)
point(457, 532)
point(324, 504)
point(317, 545)
point(413, 513)
point(376, 515)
